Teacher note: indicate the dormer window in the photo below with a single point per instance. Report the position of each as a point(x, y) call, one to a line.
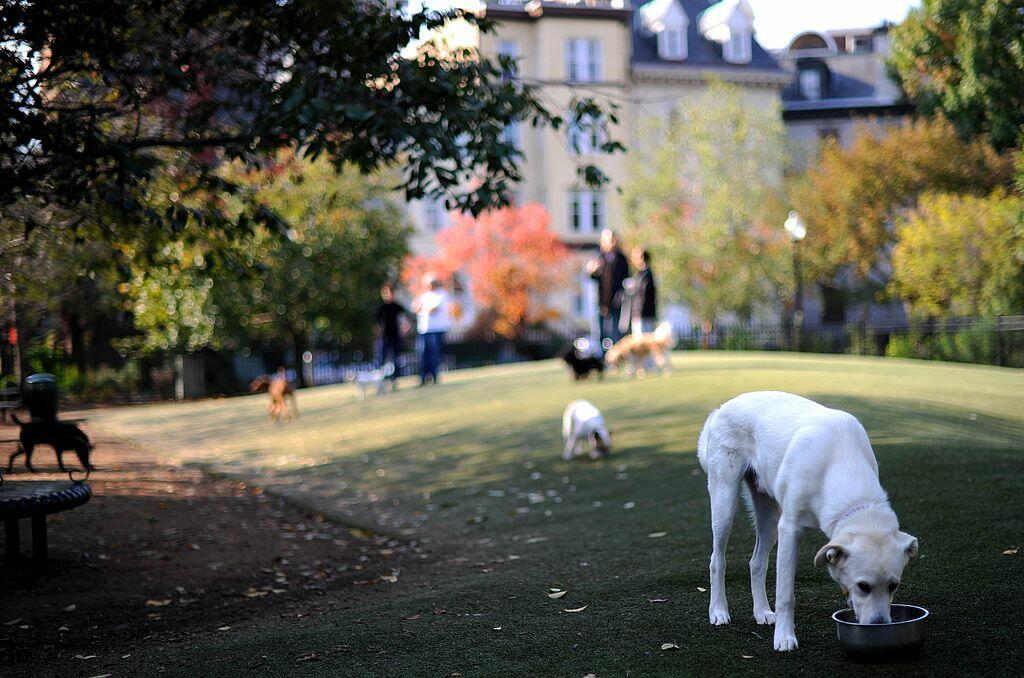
point(737, 49)
point(730, 23)
point(672, 44)
point(810, 83)
point(666, 20)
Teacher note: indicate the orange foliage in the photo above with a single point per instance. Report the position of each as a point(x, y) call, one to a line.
point(511, 258)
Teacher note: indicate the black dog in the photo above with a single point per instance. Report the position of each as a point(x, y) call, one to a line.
point(59, 435)
point(582, 366)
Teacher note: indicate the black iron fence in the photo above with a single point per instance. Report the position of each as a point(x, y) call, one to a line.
point(141, 378)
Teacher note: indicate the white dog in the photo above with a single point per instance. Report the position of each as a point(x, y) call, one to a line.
point(805, 466)
point(371, 379)
point(582, 423)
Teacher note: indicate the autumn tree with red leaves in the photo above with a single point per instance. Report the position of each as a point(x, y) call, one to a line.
point(511, 259)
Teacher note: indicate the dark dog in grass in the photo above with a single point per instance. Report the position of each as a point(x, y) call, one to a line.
point(581, 366)
point(61, 436)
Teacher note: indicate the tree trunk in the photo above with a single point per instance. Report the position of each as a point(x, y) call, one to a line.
point(299, 345)
point(21, 347)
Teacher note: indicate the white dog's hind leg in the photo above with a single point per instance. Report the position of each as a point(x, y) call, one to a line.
point(766, 518)
point(785, 581)
point(723, 485)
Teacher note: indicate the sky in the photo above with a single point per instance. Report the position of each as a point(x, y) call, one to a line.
point(778, 21)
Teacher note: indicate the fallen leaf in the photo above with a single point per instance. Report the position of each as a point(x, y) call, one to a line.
point(657, 535)
point(557, 594)
point(1011, 552)
point(747, 656)
point(702, 589)
point(577, 609)
point(669, 646)
point(657, 600)
point(70, 608)
point(389, 578)
point(158, 603)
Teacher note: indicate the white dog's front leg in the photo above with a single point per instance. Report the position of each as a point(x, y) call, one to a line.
point(570, 447)
point(785, 581)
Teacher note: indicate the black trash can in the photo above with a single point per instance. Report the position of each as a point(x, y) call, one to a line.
point(40, 397)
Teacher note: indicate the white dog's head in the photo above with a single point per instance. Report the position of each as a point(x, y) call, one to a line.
point(868, 564)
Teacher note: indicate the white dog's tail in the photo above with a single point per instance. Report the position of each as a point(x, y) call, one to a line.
point(664, 333)
point(702, 441)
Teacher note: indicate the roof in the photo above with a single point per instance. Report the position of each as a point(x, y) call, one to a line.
point(701, 52)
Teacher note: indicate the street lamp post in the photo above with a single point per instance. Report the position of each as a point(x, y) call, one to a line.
point(797, 231)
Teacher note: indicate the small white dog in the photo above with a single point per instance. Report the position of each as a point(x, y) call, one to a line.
point(371, 379)
point(805, 466)
point(583, 424)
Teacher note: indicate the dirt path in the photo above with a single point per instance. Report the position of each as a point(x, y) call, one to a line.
point(163, 554)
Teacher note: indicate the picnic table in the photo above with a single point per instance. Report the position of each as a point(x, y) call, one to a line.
point(35, 499)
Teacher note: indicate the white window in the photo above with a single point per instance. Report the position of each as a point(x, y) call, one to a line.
point(810, 83)
point(586, 211)
point(583, 60)
point(672, 43)
point(510, 135)
point(509, 48)
point(586, 137)
point(435, 217)
point(737, 49)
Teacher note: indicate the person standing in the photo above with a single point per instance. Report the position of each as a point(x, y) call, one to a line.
point(640, 307)
point(433, 319)
point(389, 318)
point(610, 269)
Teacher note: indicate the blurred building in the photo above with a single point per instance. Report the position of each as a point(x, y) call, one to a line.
point(645, 59)
point(839, 78)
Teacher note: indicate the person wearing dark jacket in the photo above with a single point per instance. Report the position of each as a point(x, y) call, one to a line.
point(389, 324)
point(610, 269)
point(640, 305)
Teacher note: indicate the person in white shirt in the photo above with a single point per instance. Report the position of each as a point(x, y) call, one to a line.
point(433, 319)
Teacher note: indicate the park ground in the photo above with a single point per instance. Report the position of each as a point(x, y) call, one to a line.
point(423, 530)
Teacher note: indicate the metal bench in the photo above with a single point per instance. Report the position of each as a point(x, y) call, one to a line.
point(10, 399)
point(35, 499)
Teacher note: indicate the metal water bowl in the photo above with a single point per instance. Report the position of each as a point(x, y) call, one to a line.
point(903, 636)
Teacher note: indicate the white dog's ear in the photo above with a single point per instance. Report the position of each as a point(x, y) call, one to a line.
point(832, 553)
point(908, 543)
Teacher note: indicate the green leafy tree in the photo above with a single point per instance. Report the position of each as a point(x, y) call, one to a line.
point(98, 99)
point(966, 59)
point(320, 281)
point(851, 197)
point(962, 255)
point(705, 195)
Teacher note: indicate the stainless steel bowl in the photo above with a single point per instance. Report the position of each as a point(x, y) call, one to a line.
point(904, 635)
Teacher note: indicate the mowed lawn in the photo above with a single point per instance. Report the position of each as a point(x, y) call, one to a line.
point(471, 470)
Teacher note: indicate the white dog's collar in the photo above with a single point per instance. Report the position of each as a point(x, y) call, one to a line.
point(855, 510)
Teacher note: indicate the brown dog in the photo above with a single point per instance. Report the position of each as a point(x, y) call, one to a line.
point(632, 352)
point(279, 389)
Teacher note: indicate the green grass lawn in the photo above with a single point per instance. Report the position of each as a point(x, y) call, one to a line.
point(472, 470)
